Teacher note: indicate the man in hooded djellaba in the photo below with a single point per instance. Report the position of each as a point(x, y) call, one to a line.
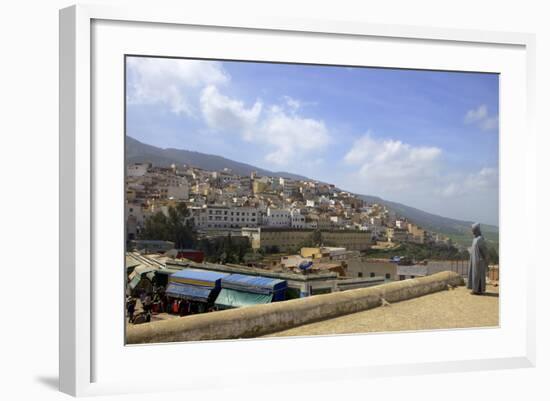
point(479, 262)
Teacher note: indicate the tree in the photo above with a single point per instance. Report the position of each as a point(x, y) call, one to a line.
point(175, 227)
point(224, 249)
point(156, 228)
point(316, 238)
point(180, 226)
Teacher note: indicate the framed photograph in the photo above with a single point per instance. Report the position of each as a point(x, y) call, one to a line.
point(290, 198)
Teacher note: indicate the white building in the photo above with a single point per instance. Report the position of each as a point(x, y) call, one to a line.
point(376, 221)
point(401, 224)
point(216, 217)
point(135, 219)
point(297, 219)
point(201, 188)
point(323, 200)
point(226, 178)
point(278, 217)
point(178, 189)
point(367, 209)
point(180, 192)
point(138, 169)
point(136, 210)
point(289, 186)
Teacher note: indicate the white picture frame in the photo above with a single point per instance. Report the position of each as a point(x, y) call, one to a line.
point(81, 345)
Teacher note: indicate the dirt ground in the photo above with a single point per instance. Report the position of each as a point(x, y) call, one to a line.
point(455, 308)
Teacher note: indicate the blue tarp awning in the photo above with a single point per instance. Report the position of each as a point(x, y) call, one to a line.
point(190, 292)
point(204, 278)
point(253, 284)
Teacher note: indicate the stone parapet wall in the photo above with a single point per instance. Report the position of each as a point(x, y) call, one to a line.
point(254, 321)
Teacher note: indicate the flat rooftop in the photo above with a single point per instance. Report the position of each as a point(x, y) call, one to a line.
point(451, 309)
point(233, 268)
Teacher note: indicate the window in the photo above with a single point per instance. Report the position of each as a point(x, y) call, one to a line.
point(360, 274)
point(372, 274)
point(388, 276)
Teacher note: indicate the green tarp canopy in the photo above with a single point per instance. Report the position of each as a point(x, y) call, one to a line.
point(135, 281)
point(140, 272)
point(234, 299)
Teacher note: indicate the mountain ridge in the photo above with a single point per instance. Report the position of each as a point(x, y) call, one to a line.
point(139, 152)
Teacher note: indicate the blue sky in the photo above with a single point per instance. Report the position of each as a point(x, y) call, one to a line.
point(428, 139)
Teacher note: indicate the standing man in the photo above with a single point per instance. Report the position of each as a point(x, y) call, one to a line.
point(479, 261)
point(131, 305)
point(147, 306)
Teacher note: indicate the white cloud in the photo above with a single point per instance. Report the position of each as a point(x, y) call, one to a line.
point(293, 104)
point(480, 116)
point(193, 88)
point(476, 115)
point(223, 113)
point(484, 179)
point(279, 129)
point(387, 165)
point(419, 176)
point(291, 136)
point(174, 82)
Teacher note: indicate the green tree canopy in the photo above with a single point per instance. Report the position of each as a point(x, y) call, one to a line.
point(225, 249)
point(176, 227)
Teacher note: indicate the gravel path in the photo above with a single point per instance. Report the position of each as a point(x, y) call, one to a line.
point(446, 309)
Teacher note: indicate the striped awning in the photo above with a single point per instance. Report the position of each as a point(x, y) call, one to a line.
point(189, 292)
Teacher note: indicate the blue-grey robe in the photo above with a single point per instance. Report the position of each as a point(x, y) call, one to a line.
point(479, 261)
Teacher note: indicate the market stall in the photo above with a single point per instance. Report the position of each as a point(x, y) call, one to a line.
point(193, 290)
point(238, 290)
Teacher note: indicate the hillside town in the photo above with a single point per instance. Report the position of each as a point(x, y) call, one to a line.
point(200, 241)
point(275, 213)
